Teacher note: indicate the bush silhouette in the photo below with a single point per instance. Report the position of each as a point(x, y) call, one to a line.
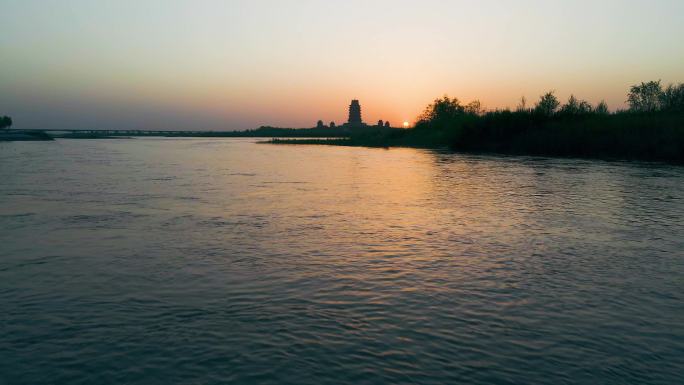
point(5, 122)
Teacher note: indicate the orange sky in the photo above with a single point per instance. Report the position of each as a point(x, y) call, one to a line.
point(240, 64)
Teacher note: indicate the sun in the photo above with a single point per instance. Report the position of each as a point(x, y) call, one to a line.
point(406, 124)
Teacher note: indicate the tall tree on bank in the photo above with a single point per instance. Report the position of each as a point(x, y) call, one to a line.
point(5, 122)
point(672, 98)
point(442, 112)
point(652, 97)
point(547, 105)
point(602, 108)
point(645, 97)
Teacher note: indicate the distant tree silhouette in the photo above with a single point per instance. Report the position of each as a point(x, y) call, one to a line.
point(547, 105)
point(387, 124)
point(380, 123)
point(575, 106)
point(332, 125)
point(601, 108)
point(5, 122)
point(645, 97)
point(522, 106)
point(585, 107)
point(474, 108)
point(442, 111)
point(320, 124)
point(571, 107)
point(672, 98)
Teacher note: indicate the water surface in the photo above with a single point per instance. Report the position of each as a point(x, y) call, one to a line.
point(193, 261)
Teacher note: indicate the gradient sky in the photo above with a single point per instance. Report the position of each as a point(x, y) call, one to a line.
point(244, 63)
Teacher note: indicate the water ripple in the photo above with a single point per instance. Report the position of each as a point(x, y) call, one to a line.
point(224, 261)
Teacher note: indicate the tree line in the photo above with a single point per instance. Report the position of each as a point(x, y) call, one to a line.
point(651, 128)
point(653, 97)
point(647, 97)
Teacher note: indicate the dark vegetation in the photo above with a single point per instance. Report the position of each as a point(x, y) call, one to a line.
point(320, 131)
point(7, 135)
point(5, 122)
point(16, 135)
point(651, 129)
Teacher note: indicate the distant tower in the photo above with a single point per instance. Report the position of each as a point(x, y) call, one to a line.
point(355, 113)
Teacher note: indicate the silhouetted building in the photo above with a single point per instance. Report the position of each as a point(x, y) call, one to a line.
point(355, 114)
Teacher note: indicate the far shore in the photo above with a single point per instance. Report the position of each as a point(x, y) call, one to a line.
point(23, 136)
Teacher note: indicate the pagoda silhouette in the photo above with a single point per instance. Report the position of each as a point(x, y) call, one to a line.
point(355, 114)
point(354, 120)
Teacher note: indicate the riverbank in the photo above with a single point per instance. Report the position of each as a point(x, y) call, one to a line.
point(261, 132)
point(629, 136)
point(17, 136)
point(90, 136)
point(651, 130)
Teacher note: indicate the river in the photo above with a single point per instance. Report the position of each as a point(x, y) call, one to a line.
point(201, 261)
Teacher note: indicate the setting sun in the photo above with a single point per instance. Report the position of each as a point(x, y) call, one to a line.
point(406, 124)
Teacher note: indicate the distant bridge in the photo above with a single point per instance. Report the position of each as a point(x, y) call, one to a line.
point(171, 133)
point(262, 132)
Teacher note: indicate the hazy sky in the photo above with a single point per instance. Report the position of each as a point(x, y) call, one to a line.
point(240, 64)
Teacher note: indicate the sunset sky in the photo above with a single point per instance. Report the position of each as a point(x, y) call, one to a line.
point(241, 64)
